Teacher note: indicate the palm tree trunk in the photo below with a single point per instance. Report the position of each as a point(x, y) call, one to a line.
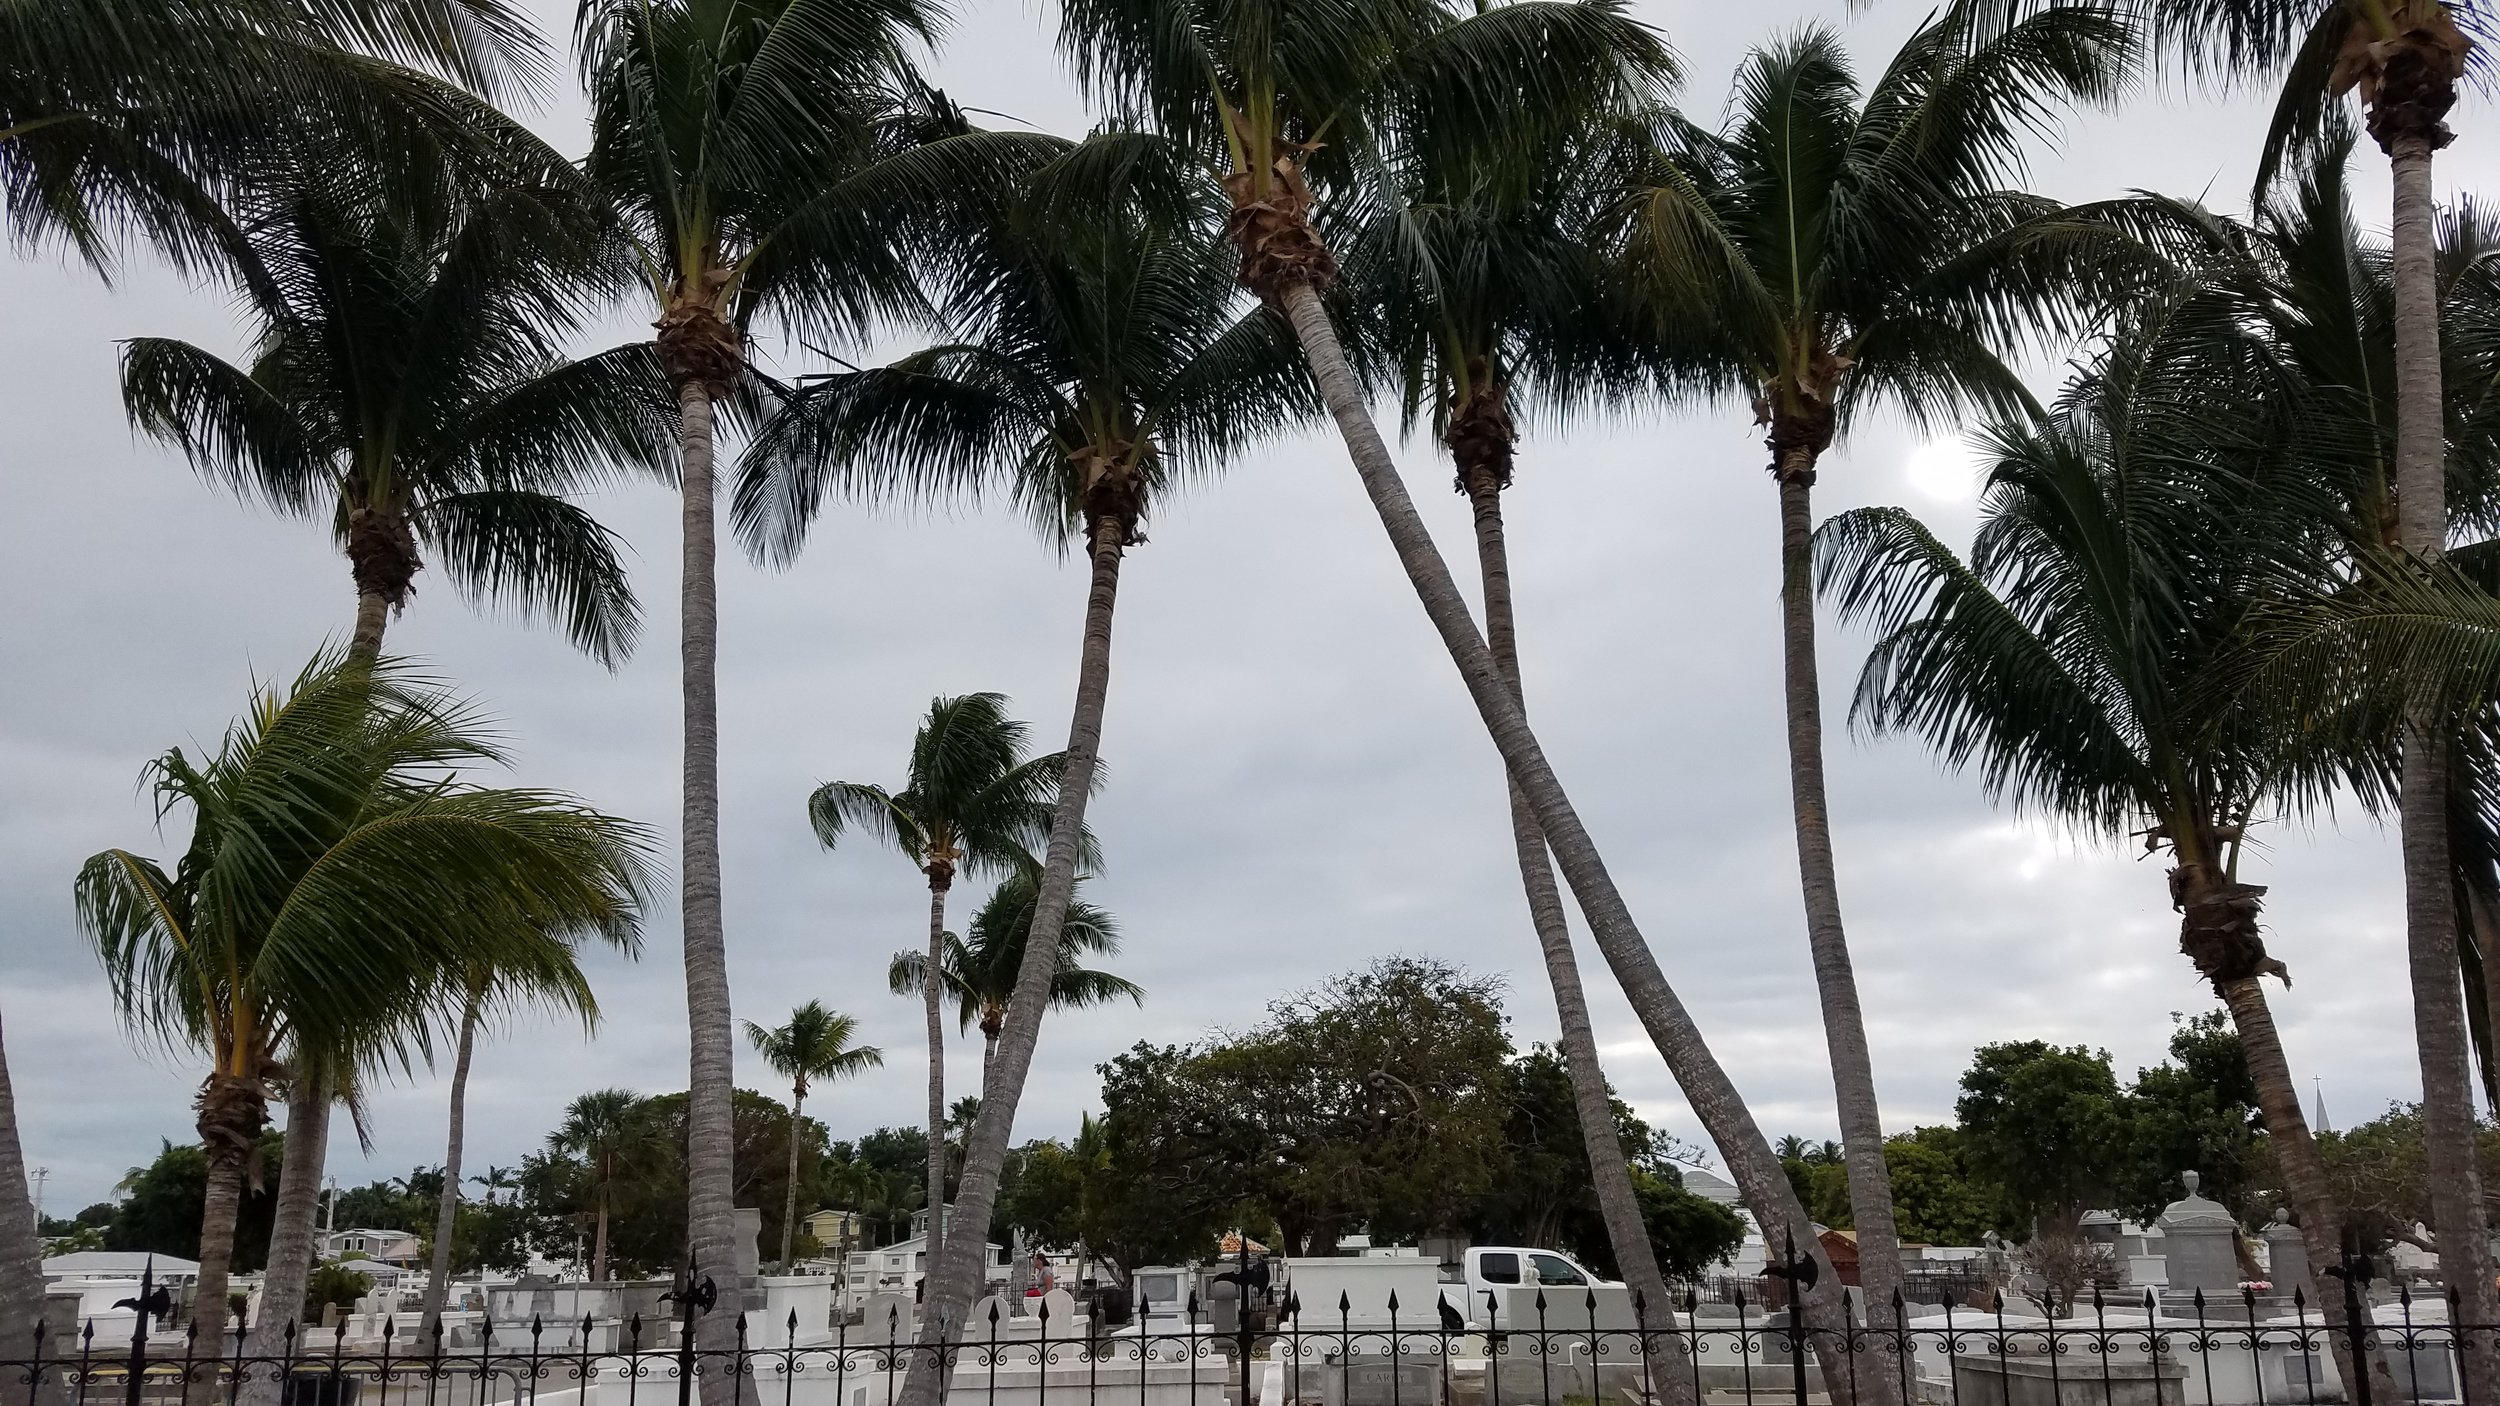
point(278, 1329)
point(1835, 980)
point(1611, 1175)
point(1712, 1095)
point(2448, 1130)
point(939, 879)
point(2304, 1171)
point(956, 1279)
point(710, 1224)
point(219, 1208)
point(233, 1111)
point(599, 1240)
point(373, 615)
point(790, 1198)
point(21, 1248)
point(447, 1209)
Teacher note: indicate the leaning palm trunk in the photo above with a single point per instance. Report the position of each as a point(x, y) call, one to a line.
point(941, 872)
point(956, 1277)
point(278, 1328)
point(1835, 980)
point(1706, 1087)
point(21, 1252)
point(709, 1140)
point(1480, 442)
point(2218, 930)
point(447, 1208)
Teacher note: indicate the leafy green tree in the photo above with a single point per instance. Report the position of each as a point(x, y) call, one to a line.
point(814, 1043)
point(2196, 1110)
point(1835, 248)
point(970, 800)
point(339, 873)
point(161, 1204)
point(1687, 1233)
point(1941, 1197)
point(980, 974)
point(334, 1282)
point(2049, 1126)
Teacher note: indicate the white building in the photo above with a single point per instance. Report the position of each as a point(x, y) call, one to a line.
point(899, 1267)
point(392, 1247)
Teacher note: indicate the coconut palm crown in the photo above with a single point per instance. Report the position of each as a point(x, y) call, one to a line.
point(406, 386)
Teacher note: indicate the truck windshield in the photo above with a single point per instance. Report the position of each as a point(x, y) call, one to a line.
point(1552, 1269)
point(1498, 1268)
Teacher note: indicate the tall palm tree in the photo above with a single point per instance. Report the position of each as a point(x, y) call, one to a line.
point(1109, 355)
point(2125, 544)
point(2403, 60)
point(1477, 276)
point(1830, 250)
point(971, 802)
point(406, 388)
point(979, 974)
point(722, 133)
point(814, 1043)
point(338, 879)
point(600, 1127)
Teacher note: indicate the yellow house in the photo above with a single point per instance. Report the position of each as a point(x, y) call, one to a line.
point(837, 1231)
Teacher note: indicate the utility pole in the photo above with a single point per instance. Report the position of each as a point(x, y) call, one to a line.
point(42, 1175)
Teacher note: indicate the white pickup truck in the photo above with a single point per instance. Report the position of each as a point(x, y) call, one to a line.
point(1494, 1286)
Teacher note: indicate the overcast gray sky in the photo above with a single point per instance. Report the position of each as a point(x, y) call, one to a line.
point(1297, 781)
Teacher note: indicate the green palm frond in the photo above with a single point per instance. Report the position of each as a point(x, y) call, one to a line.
point(343, 887)
point(541, 556)
point(412, 372)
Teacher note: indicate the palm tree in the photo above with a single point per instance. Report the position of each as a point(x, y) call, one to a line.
point(2403, 59)
point(339, 878)
point(1830, 250)
point(971, 801)
point(1478, 279)
point(814, 1043)
point(1109, 356)
point(599, 1127)
point(980, 974)
point(722, 134)
point(406, 388)
point(2125, 545)
point(495, 1179)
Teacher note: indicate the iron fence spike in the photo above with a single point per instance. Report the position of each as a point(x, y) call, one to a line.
point(1393, 1300)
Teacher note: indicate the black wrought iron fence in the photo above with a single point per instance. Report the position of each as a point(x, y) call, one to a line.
point(1565, 1351)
